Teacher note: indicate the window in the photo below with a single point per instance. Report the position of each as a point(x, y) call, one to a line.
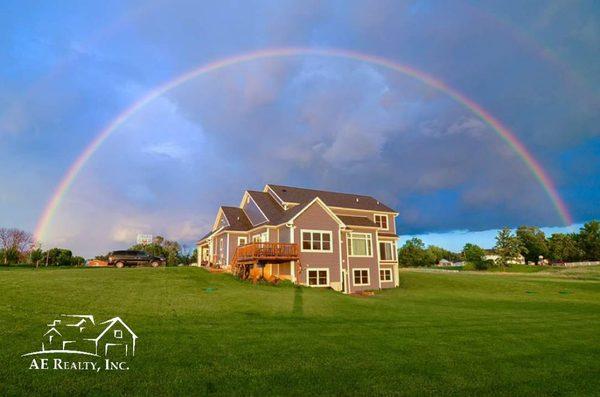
point(359, 244)
point(382, 221)
point(316, 241)
point(385, 274)
point(387, 251)
point(261, 238)
point(118, 334)
point(361, 276)
point(242, 240)
point(318, 277)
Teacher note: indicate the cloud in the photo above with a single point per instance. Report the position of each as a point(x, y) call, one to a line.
point(311, 121)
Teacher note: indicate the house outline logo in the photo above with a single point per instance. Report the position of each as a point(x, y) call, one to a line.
point(100, 343)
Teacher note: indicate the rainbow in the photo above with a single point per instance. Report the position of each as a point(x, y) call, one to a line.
point(503, 132)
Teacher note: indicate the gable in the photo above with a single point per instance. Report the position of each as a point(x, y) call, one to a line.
point(317, 213)
point(252, 210)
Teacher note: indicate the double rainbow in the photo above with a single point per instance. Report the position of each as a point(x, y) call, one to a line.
point(512, 141)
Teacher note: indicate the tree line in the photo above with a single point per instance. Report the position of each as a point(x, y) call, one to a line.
point(18, 246)
point(527, 241)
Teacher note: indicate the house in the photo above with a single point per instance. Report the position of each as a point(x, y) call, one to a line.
point(491, 255)
point(116, 338)
point(310, 237)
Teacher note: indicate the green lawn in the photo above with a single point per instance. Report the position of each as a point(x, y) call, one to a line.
point(201, 333)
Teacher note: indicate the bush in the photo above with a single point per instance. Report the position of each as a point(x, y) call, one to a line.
point(483, 264)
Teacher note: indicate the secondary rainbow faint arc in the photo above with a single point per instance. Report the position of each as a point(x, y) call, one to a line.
point(425, 78)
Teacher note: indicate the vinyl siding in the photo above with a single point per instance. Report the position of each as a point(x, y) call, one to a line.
point(316, 218)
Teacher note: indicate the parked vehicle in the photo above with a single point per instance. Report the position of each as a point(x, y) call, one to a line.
point(134, 258)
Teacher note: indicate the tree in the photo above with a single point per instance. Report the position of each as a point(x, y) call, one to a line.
point(474, 255)
point(60, 257)
point(508, 247)
point(564, 248)
point(15, 244)
point(413, 253)
point(589, 240)
point(36, 255)
point(533, 242)
point(440, 253)
point(170, 250)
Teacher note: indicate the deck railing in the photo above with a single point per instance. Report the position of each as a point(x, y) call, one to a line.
point(264, 251)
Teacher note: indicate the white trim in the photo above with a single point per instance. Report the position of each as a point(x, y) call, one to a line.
point(245, 238)
point(386, 269)
point(368, 276)
point(378, 266)
point(349, 244)
point(261, 236)
point(227, 256)
point(292, 263)
point(281, 202)
point(318, 269)
point(340, 251)
point(387, 220)
point(216, 223)
point(392, 249)
point(246, 194)
point(321, 232)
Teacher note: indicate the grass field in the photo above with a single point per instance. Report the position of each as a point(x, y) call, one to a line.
point(201, 333)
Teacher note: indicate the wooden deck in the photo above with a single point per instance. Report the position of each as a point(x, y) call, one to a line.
point(280, 252)
point(249, 259)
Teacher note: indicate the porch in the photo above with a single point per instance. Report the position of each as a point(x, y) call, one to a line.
point(250, 260)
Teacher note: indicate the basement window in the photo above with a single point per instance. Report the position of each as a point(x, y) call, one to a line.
point(361, 276)
point(318, 277)
point(385, 274)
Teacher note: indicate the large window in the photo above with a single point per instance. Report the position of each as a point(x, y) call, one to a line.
point(387, 251)
point(318, 277)
point(385, 274)
point(382, 221)
point(360, 244)
point(361, 276)
point(316, 241)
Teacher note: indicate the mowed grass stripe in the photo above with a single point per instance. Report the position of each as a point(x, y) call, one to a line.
point(203, 333)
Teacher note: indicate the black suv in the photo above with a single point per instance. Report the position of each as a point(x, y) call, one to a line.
point(134, 258)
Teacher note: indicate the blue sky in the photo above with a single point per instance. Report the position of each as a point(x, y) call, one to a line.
point(70, 68)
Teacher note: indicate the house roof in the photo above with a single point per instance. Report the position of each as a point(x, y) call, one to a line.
point(357, 221)
point(292, 194)
point(237, 219)
point(207, 235)
point(384, 234)
point(267, 204)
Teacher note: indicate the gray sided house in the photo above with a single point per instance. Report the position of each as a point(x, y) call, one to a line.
point(311, 237)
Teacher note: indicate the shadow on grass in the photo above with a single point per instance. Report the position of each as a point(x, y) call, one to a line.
point(298, 307)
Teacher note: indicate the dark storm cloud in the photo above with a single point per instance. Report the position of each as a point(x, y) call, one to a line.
point(310, 121)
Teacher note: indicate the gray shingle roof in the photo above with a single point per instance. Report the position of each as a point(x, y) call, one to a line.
point(334, 199)
point(357, 221)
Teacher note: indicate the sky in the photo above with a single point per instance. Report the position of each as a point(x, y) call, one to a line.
point(71, 68)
